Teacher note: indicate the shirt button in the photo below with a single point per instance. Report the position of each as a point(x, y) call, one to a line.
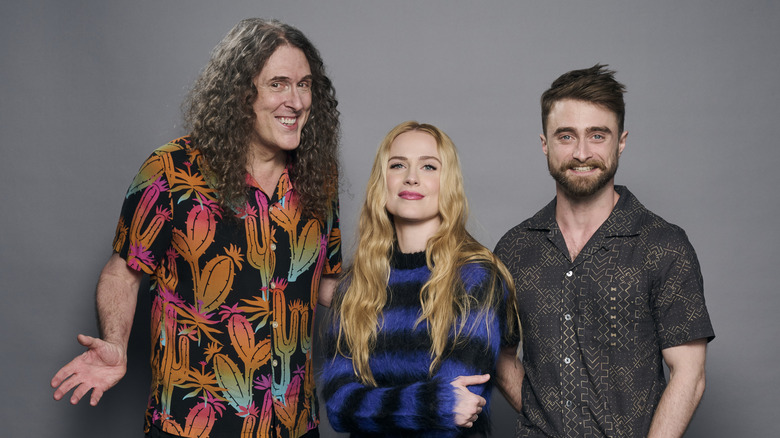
point(569, 274)
point(568, 403)
point(271, 208)
point(275, 324)
point(567, 317)
point(273, 247)
point(272, 285)
point(567, 361)
point(274, 363)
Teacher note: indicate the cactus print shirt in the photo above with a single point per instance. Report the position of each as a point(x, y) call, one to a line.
point(232, 300)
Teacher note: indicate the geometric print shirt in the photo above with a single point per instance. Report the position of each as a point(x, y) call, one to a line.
point(233, 299)
point(594, 327)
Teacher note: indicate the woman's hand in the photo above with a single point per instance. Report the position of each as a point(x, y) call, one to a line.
point(468, 405)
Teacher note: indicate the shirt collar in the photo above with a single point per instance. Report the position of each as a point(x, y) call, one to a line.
point(624, 220)
point(621, 222)
point(283, 186)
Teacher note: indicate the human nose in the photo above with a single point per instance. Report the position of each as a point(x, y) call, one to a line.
point(582, 150)
point(411, 177)
point(294, 98)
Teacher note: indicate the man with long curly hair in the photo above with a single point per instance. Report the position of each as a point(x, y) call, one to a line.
point(237, 226)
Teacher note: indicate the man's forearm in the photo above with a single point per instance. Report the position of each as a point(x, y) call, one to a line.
point(677, 405)
point(116, 297)
point(683, 393)
point(509, 377)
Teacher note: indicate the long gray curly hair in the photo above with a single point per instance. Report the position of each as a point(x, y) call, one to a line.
point(219, 116)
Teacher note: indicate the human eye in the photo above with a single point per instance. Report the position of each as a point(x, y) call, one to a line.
point(304, 86)
point(278, 86)
point(429, 167)
point(565, 138)
point(396, 165)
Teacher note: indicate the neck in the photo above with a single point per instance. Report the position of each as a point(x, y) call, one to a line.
point(265, 167)
point(579, 218)
point(413, 237)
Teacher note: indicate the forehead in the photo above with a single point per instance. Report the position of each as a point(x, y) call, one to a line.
point(413, 144)
point(287, 61)
point(579, 114)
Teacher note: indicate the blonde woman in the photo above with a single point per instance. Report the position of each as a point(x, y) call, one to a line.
point(425, 313)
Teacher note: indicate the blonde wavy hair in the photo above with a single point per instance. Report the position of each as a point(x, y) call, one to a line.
point(357, 311)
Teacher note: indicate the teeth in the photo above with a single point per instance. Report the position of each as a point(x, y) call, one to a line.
point(582, 168)
point(289, 121)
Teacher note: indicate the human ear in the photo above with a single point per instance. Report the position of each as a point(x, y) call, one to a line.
point(622, 142)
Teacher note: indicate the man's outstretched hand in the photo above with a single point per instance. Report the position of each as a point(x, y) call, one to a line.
point(97, 369)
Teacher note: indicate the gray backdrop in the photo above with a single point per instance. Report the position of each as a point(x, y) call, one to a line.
point(90, 88)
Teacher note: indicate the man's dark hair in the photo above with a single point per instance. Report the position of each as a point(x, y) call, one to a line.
point(596, 85)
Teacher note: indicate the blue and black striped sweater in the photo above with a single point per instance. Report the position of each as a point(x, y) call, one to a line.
point(408, 401)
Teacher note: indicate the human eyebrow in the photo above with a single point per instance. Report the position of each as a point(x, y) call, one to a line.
point(426, 157)
point(564, 129)
point(603, 129)
point(279, 79)
point(307, 78)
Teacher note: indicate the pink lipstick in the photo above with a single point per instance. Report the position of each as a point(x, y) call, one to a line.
point(410, 195)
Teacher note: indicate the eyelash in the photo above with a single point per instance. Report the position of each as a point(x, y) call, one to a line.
point(400, 166)
point(281, 85)
point(568, 137)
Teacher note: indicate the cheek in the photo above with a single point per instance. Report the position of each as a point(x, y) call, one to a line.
point(267, 103)
point(434, 186)
point(390, 184)
point(558, 157)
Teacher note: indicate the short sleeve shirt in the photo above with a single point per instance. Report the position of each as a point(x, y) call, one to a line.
point(594, 327)
point(233, 298)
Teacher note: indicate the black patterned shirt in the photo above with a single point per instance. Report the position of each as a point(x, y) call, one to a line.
point(233, 299)
point(594, 327)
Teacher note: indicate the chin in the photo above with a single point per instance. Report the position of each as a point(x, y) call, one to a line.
point(290, 145)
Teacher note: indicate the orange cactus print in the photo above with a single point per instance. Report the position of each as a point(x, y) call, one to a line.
point(304, 245)
point(259, 238)
point(216, 279)
point(233, 298)
point(141, 236)
point(200, 420)
point(199, 233)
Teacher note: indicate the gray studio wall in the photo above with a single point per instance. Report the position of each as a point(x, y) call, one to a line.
point(89, 88)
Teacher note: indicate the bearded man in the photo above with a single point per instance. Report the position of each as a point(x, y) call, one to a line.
point(607, 290)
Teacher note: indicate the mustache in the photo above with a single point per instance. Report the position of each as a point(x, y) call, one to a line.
point(598, 164)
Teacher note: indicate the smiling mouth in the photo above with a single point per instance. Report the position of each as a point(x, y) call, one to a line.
point(582, 168)
point(287, 121)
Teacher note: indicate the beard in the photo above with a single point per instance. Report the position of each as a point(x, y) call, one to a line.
point(583, 186)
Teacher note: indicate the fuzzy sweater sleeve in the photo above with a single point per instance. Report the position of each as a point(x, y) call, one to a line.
point(417, 406)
